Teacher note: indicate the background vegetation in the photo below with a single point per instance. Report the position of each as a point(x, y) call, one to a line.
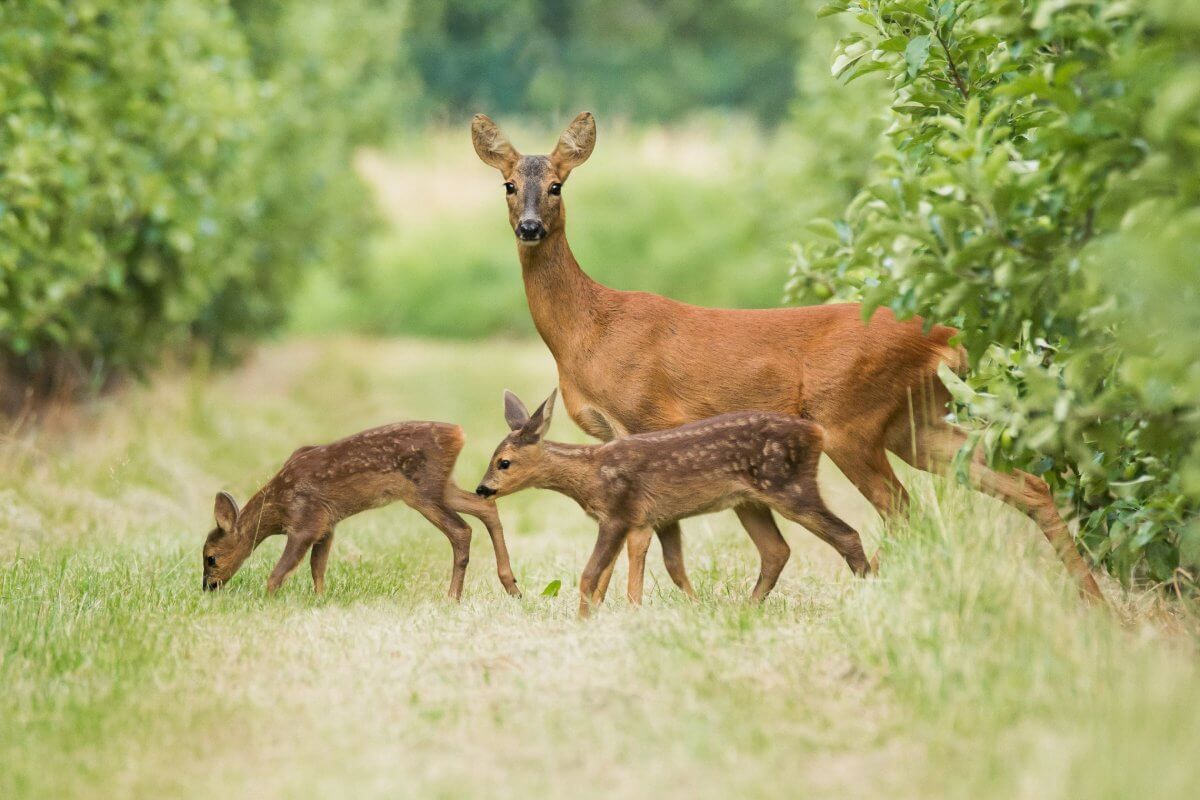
point(169, 170)
point(645, 60)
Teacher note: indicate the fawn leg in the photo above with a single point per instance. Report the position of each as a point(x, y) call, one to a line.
point(293, 553)
point(487, 513)
point(803, 504)
point(459, 534)
point(670, 537)
point(638, 544)
point(608, 544)
point(773, 551)
point(319, 560)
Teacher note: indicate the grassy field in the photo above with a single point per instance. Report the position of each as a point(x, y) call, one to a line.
point(967, 669)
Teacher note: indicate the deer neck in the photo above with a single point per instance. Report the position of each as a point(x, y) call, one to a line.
point(257, 520)
point(564, 302)
point(570, 469)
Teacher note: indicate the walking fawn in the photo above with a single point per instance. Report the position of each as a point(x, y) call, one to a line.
point(320, 486)
point(748, 460)
point(632, 362)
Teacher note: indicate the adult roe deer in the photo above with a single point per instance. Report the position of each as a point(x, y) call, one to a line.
point(745, 460)
point(632, 362)
point(321, 485)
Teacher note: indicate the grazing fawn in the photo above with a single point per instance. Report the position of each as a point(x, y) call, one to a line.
point(320, 486)
point(633, 362)
point(747, 460)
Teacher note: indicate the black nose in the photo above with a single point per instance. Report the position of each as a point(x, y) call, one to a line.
point(530, 230)
point(210, 586)
point(484, 491)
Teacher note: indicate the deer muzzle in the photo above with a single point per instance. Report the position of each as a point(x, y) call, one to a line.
point(531, 230)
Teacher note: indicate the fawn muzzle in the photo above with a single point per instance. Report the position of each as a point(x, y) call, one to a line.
point(484, 491)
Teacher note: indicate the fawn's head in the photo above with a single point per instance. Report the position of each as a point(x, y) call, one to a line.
point(224, 549)
point(534, 183)
point(518, 460)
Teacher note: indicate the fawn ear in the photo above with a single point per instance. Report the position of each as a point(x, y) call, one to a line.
point(575, 144)
point(491, 145)
point(515, 413)
point(225, 510)
point(539, 423)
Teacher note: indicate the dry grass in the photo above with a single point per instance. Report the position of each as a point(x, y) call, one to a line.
point(968, 669)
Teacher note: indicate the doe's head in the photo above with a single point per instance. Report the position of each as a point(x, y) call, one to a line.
point(518, 461)
point(533, 184)
point(224, 549)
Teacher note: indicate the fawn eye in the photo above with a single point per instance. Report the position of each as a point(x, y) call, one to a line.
point(510, 187)
point(504, 463)
point(555, 188)
point(211, 561)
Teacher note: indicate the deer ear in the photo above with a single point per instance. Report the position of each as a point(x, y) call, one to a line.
point(575, 144)
point(491, 145)
point(515, 413)
point(225, 510)
point(539, 423)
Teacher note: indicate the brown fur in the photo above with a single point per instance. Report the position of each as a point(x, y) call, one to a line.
point(319, 486)
point(631, 362)
point(748, 461)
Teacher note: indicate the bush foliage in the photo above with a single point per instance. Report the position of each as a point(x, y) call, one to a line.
point(167, 169)
point(1038, 187)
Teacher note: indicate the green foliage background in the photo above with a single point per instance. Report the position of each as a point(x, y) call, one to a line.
point(1038, 188)
point(168, 170)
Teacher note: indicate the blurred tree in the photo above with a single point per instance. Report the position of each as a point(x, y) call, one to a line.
point(650, 61)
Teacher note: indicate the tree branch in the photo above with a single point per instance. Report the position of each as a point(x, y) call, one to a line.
point(958, 81)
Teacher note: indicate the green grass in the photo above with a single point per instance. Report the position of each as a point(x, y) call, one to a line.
point(967, 669)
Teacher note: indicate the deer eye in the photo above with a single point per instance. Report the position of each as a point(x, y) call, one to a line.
point(510, 187)
point(504, 463)
point(211, 561)
point(555, 189)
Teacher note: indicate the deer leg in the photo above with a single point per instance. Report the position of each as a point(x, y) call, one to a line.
point(459, 534)
point(608, 544)
point(1025, 492)
point(602, 584)
point(773, 551)
point(487, 513)
point(669, 536)
point(293, 553)
point(320, 559)
point(803, 504)
point(868, 469)
point(638, 543)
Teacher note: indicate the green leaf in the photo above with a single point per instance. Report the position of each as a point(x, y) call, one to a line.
point(916, 54)
point(829, 9)
point(552, 588)
point(957, 386)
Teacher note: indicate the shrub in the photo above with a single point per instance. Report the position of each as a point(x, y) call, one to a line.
point(167, 170)
point(1038, 189)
